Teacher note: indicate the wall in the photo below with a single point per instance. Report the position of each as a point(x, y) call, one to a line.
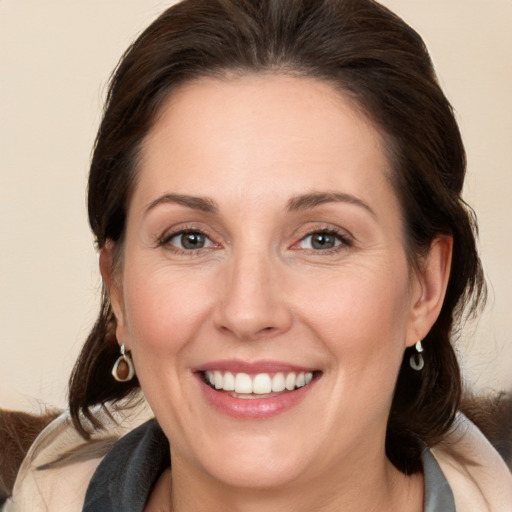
point(55, 59)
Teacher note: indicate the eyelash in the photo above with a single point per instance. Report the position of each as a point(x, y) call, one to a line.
point(341, 237)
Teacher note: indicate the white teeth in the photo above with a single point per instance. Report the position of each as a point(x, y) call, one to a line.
point(290, 382)
point(278, 383)
point(260, 384)
point(243, 383)
point(229, 382)
point(217, 378)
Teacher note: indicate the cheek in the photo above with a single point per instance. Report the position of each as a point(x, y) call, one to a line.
point(361, 317)
point(163, 309)
point(363, 327)
point(363, 300)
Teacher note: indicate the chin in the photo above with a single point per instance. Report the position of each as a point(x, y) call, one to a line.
point(263, 457)
point(263, 473)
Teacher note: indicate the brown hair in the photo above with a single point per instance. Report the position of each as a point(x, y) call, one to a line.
point(17, 432)
point(364, 50)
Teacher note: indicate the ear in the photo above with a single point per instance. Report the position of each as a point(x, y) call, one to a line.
point(112, 282)
point(429, 289)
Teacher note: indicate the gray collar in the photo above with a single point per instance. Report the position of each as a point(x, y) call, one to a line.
point(438, 493)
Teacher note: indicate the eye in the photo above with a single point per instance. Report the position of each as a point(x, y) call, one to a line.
point(323, 241)
point(188, 240)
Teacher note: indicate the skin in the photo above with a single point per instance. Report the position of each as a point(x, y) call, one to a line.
point(259, 289)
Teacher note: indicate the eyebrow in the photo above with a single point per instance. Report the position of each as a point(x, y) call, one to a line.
point(307, 201)
point(203, 204)
point(302, 202)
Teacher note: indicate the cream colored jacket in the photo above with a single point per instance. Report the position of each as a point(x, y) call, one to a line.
point(480, 480)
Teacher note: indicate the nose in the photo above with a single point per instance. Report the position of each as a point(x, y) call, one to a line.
point(252, 301)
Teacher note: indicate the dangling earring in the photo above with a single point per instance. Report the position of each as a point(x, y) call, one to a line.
point(416, 361)
point(123, 369)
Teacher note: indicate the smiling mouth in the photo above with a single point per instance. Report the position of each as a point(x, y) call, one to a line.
point(261, 385)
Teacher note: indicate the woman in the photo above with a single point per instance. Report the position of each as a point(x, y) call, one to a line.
point(275, 194)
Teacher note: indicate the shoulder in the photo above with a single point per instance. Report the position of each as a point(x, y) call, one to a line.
point(478, 476)
point(56, 472)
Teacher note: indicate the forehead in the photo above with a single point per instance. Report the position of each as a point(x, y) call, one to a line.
point(260, 134)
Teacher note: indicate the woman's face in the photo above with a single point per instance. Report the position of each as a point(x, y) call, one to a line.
point(264, 253)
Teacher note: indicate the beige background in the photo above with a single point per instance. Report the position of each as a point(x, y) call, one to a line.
point(55, 59)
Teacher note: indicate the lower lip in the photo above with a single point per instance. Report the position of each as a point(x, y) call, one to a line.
point(254, 408)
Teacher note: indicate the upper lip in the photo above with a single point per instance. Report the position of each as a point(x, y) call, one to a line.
point(252, 367)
